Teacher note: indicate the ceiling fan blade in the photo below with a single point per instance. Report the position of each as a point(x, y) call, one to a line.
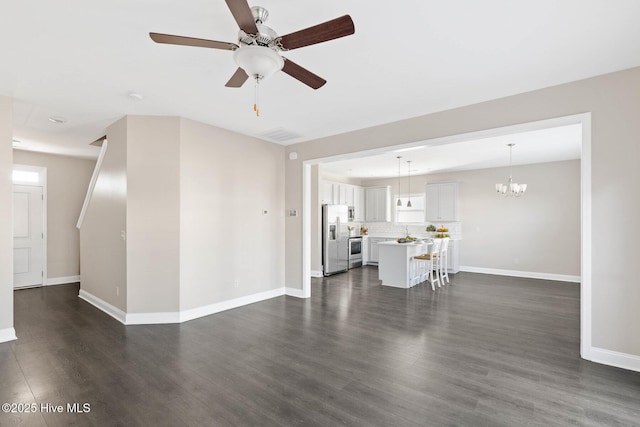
point(326, 31)
point(302, 74)
point(238, 78)
point(191, 41)
point(243, 16)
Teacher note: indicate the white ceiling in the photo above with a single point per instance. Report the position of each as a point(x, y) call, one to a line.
point(539, 146)
point(80, 60)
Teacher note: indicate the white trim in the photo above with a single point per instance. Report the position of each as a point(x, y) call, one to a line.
point(43, 183)
point(292, 292)
point(63, 280)
point(585, 255)
point(92, 183)
point(585, 174)
point(614, 358)
point(207, 310)
point(8, 334)
point(317, 273)
point(525, 274)
point(152, 318)
point(101, 304)
point(306, 230)
point(177, 316)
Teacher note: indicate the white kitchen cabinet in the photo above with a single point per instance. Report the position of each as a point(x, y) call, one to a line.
point(365, 250)
point(346, 194)
point(335, 193)
point(373, 249)
point(358, 204)
point(453, 256)
point(378, 204)
point(441, 202)
point(330, 193)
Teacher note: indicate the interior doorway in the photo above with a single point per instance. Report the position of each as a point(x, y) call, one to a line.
point(29, 226)
point(583, 119)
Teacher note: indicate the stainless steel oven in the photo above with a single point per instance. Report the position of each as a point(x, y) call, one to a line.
point(355, 252)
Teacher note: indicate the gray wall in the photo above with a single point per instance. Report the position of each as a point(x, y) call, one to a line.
point(538, 233)
point(614, 102)
point(67, 182)
point(6, 224)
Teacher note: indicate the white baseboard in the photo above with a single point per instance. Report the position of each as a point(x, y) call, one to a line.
point(292, 292)
point(61, 280)
point(207, 310)
point(7, 334)
point(525, 274)
point(316, 273)
point(614, 358)
point(158, 318)
point(101, 304)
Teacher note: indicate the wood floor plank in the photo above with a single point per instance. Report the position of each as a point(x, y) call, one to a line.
point(484, 350)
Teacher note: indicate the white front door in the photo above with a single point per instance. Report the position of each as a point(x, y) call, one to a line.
point(28, 236)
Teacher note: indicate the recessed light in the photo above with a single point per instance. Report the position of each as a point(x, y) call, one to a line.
point(409, 149)
point(57, 120)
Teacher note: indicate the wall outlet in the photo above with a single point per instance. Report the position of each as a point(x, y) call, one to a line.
point(117, 291)
point(123, 235)
point(235, 283)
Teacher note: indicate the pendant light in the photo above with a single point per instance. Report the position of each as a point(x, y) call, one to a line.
point(511, 188)
point(409, 165)
point(399, 203)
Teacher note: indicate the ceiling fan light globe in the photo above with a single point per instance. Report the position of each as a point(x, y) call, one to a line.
point(258, 61)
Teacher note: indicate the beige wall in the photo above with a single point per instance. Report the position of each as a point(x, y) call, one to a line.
point(103, 265)
point(228, 247)
point(6, 222)
point(614, 102)
point(67, 182)
point(153, 214)
point(193, 197)
point(538, 233)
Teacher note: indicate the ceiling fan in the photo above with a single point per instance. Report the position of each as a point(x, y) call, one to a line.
point(257, 52)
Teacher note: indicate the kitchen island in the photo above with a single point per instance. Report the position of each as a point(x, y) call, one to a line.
point(394, 264)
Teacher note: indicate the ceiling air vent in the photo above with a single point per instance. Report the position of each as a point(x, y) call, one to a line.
point(279, 135)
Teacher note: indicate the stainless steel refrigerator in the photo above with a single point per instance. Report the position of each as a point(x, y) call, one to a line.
point(335, 239)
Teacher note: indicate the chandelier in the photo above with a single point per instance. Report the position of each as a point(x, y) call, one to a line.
point(511, 188)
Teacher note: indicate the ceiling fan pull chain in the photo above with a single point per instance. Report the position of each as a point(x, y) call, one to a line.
point(256, 105)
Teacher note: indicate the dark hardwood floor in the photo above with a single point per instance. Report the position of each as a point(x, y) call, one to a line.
point(484, 351)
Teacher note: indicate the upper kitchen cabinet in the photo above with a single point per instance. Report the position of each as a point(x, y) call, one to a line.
point(346, 194)
point(330, 193)
point(334, 193)
point(358, 204)
point(441, 202)
point(378, 204)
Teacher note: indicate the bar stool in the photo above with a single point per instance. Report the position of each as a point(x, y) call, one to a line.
point(427, 264)
point(443, 260)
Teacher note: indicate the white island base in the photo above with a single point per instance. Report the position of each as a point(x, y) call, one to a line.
point(394, 263)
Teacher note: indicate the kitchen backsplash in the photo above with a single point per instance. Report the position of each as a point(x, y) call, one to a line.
point(387, 229)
